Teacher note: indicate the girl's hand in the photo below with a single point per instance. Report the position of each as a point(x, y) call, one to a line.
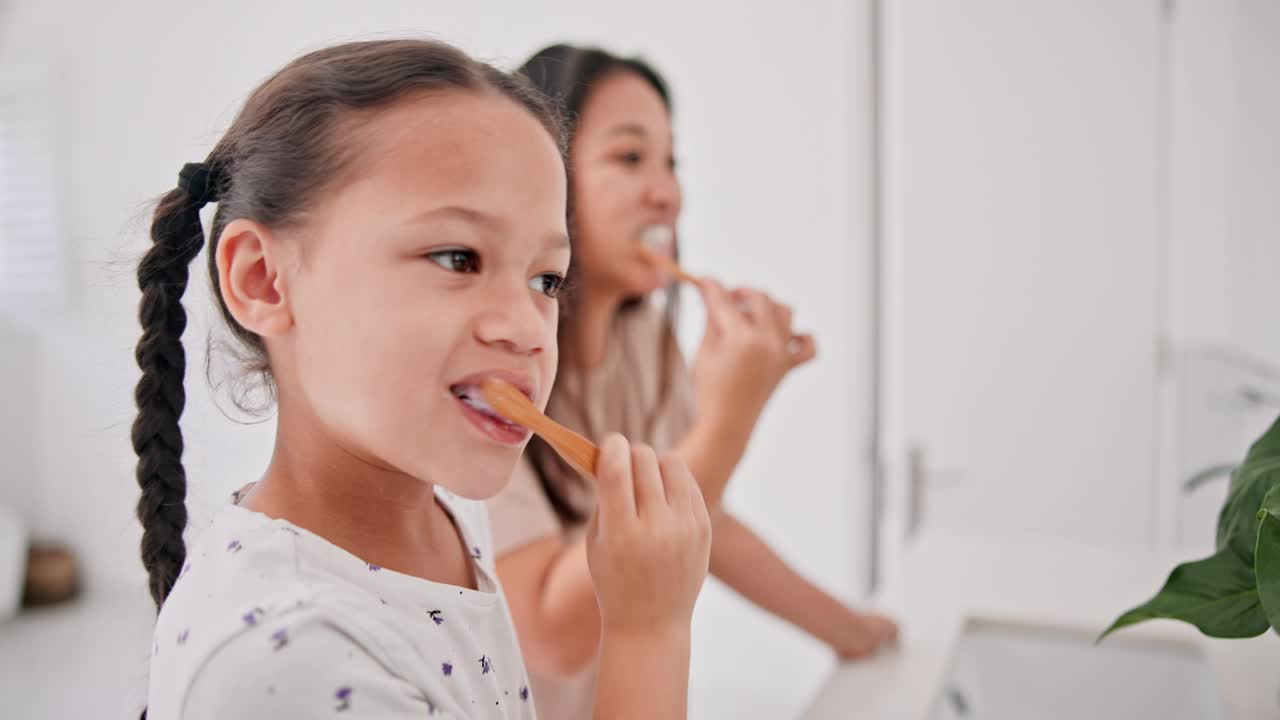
point(649, 543)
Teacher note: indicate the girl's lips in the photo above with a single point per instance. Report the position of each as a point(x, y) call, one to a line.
point(521, 381)
point(472, 404)
point(492, 426)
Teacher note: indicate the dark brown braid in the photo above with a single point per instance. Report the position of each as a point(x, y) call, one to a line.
point(176, 239)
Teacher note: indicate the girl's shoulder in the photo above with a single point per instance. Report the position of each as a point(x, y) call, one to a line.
point(302, 626)
point(472, 519)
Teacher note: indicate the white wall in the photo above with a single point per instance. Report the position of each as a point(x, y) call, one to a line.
point(1224, 194)
point(19, 469)
point(1223, 250)
point(761, 116)
point(1257, 152)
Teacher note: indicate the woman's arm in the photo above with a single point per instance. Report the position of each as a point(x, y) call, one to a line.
point(553, 603)
point(712, 449)
point(743, 561)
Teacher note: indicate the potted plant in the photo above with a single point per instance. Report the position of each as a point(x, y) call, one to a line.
point(1234, 593)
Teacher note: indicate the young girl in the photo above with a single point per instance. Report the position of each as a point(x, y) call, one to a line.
point(622, 371)
point(390, 231)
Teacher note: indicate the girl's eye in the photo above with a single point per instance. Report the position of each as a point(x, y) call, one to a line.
point(548, 284)
point(460, 261)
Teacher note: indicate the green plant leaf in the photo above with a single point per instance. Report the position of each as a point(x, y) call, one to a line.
point(1238, 521)
point(1266, 447)
point(1235, 592)
point(1267, 559)
point(1217, 594)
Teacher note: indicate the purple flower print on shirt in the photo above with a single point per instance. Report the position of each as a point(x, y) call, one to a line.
point(485, 667)
point(279, 639)
point(182, 636)
point(186, 567)
point(251, 618)
point(436, 617)
point(447, 669)
point(234, 546)
point(373, 568)
point(343, 696)
point(475, 551)
point(524, 693)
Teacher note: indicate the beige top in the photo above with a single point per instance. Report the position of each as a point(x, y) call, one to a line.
point(641, 389)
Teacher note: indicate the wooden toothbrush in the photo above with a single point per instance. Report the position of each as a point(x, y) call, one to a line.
point(513, 405)
point(671, 267)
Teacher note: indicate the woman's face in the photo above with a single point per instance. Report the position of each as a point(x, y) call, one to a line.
point(624, 186)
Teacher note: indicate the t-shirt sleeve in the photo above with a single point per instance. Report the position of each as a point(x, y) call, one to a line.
point(521, 513)
point(307, 670)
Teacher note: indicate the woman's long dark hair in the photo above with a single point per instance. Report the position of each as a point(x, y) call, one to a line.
point(566, 74)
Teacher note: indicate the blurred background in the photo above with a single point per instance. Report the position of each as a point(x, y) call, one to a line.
point(1037, 242)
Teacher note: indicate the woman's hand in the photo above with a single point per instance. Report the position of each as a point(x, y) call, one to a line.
point(863, 635)
point(748, 347)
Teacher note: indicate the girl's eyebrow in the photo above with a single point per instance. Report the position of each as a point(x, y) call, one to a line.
point(466, 214)
point(555, 240)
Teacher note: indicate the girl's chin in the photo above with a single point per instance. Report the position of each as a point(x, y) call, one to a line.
point(476, 490)
point(482, 480)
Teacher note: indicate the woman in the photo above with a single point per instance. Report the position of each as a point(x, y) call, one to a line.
point(621, 371)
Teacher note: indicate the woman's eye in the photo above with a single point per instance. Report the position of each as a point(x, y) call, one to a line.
point(630, 159)
point(460, 261)
point(548, 284)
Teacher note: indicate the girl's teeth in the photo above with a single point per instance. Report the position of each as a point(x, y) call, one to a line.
point(476, 401)
point(473, 397)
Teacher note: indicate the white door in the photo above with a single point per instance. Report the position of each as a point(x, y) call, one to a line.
point(1021, 216)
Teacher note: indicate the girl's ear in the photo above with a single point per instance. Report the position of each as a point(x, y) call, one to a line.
point(250, 278)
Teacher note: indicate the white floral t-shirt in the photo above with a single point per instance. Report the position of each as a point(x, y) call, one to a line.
point(268, 620)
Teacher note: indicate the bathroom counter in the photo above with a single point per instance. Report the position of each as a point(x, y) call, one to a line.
point(85, 658)
point(946, 580)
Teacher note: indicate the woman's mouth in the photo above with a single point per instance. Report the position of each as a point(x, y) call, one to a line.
point(659, 238)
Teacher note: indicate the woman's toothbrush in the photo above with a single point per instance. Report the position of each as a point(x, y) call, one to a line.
point(513, 405)
point(654, 242)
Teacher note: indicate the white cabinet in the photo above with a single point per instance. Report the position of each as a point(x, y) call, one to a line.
point(1021, 226)
point(1080, 224)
